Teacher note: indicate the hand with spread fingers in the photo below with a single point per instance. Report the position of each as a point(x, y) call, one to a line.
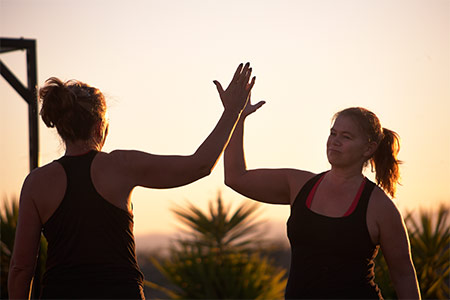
point(236, 94)
point(251, 108)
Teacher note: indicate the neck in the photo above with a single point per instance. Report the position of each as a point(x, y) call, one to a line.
point(342, 175)
point(79, 148)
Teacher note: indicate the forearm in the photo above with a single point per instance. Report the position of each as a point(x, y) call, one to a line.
point(234, 158)
point(19, 283)
point(209, 151)
point(406, 286)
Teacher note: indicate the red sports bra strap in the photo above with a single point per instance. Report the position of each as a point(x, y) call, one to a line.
point(352, 206)
point(313, 191)
point(356, 200)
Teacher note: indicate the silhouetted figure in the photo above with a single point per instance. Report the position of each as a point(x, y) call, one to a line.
point(339, 219)
point(82, 203)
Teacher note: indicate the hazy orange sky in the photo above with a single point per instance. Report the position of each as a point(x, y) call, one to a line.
point(156, 60)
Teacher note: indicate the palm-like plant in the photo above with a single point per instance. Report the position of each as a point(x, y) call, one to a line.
point(429, 235)
point(8, 223)
point(215, 261)
point(221, 229)
point(430, 242)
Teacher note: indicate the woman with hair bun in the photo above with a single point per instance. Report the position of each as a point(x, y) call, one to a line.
point(81, 202)
point(339, 218)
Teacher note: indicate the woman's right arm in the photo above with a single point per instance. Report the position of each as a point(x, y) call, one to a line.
point(167, 171)
point(276, 186)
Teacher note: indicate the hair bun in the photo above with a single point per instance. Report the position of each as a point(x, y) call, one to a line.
point(57, 101)
point(73, 107)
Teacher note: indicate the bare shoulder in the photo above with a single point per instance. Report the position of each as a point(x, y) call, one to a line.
point(43, 177)
point(382, 215)
point(120, 158)
point(381, 206)
point(297, 179)
point(112, 160)
point(109, 167)
point(43, 190)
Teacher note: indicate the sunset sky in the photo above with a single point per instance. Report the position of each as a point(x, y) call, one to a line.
point(155, 62)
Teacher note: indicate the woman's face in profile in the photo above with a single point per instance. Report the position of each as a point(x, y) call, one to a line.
point(347, 144)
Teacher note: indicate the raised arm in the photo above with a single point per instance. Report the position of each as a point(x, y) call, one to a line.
point(277, 186)
point(160, 171)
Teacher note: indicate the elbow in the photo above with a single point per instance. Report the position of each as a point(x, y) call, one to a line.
point(19, 282)
point(228, 181)
point(231, 181)
point(205, 169)
point(197, 167)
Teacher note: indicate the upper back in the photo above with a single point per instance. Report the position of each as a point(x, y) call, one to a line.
point(48, 184)
point(85, 230)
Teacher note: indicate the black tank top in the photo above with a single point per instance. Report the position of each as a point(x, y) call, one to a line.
point(90, 241)
point(331, 258)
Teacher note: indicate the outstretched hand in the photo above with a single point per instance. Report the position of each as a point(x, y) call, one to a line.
point(251, 108)
point(235, 97)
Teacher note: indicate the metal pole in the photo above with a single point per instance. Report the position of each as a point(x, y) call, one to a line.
point(33, 105)
point(34, 141)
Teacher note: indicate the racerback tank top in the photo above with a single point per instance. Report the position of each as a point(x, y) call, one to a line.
point(331, 258)
point(90, 241)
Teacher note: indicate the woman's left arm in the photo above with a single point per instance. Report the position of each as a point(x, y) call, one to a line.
point(394, 242)
point(26, 244)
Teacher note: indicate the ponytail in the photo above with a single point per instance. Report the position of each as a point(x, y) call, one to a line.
point(385, 162)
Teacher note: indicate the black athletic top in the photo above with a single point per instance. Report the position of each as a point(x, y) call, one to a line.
point(331, 258)
point(91, 248)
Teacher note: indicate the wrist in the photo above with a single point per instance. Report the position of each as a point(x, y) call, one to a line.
point(232, 112)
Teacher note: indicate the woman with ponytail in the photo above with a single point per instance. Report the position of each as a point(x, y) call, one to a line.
point(81, 202)
point(339, 218)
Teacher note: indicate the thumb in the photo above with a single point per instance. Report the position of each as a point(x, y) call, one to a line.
point(218, 86)
point(251, 108)
point(259, 104)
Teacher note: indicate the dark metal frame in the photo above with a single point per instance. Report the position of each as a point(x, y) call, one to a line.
point(29, 94)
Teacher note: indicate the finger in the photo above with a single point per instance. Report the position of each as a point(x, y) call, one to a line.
point(246, 67)
point(251, 84)
point(248, 74)
point(237, 73)
point(246, 70)
point(218, 86)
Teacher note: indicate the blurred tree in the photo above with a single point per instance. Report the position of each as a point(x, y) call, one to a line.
point(8, 223)
point(219, 229)
point(218, 259)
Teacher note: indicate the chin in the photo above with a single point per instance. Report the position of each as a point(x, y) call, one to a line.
point(336, 162)
point(332, 158)
point(333, 162)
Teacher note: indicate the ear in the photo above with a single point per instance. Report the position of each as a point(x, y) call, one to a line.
point(370, 149)
point(101, 132)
